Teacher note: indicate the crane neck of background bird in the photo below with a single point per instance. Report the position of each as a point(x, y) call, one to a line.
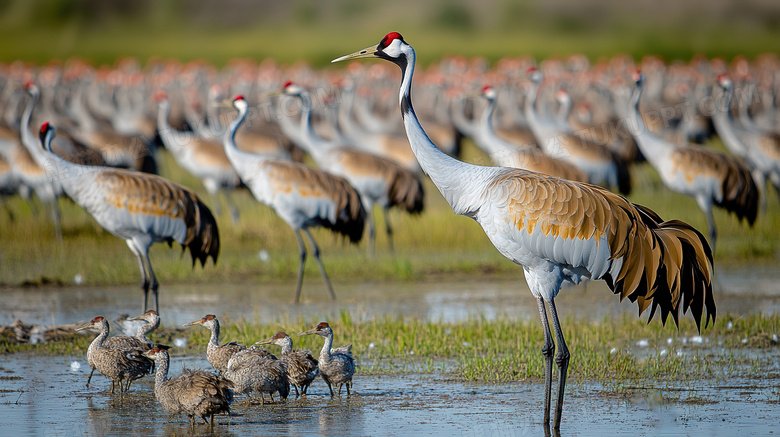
point(28, 139)
point(724, 124)
point(313, 144)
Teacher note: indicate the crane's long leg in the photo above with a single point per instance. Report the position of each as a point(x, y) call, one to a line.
point(548, 349)
point(142, 267)
point(55, 215)
point(300, 266)
point(90, 376)
point(706, 207)
point(231, 205)
point(371, 230)
point(155, 285)
point(562, 360)
point(388, 228)
point(760, 181)
point(322, 267)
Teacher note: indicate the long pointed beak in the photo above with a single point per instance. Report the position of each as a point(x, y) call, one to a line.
point(266, 341)
point(310, 331)
point(197, 322)
point(84, 326)
point(368, 52)
point(270, 94)
point(141, 317)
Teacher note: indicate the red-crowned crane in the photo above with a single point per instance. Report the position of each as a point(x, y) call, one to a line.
point(380, 181)
point(710, 177)
point(302, 196)
point(562, 232)
point(139, 208)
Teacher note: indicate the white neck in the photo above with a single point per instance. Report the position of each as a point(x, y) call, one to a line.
point(454, 179)
point(652, 147)
point(724, 124)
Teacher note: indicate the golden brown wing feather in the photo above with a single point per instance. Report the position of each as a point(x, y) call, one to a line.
point(663, 263)
point(406, 188)
point(309, 181)
point(740, 193)
point(156, 196)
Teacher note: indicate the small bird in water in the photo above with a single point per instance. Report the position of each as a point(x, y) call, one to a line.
point(336, 365)
point(256, 370)
point(302, 368)
point(218, 355)
point(194, 392)
point(120, 364)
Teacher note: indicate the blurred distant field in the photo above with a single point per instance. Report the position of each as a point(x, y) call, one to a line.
point(41, 30)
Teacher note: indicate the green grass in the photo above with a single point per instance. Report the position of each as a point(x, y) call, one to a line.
point(506, 349)
point(437, 242)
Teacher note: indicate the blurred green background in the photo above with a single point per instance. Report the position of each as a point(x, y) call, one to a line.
point(317, 31)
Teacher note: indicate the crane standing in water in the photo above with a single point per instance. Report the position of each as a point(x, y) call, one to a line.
point(194, 392)
point(301, 366)
point(336, 365)
point(562, 232)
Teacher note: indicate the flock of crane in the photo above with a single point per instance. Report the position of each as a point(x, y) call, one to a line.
point(560, 135)
point(241, 369)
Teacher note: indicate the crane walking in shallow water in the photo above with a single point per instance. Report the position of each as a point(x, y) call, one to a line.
point(218, 355)
point(194, 392)
point(139, 208)
point(336, 365)
point(301, 366)
point(123, 341)
point(563, 232)
point(120, 364)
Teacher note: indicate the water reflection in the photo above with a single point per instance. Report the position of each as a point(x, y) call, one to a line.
point(445, 300)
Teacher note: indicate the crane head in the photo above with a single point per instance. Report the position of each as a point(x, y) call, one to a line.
point(323, 329)
point(152, 353)
point(638, 77)
point(534, 75)
point(159, 96)
point(724, 81)
point(392, 48)
point(291, 89)
point(489, 92)
point(46, 128)
point(94, 321)
point(31, 87)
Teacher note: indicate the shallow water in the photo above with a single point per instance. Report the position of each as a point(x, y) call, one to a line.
point(43, 396)
point(450, 299)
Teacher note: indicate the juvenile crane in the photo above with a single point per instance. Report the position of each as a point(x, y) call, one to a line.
point(194, 392)
point(256, 370)
point(380, 181)
point(218, 355)
point(119, 364)
point(301, 366)
point(123, 341)
point(302, 196)
point(562, 232)
point(139, 208)
point(710, 177)
point(336, 365)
